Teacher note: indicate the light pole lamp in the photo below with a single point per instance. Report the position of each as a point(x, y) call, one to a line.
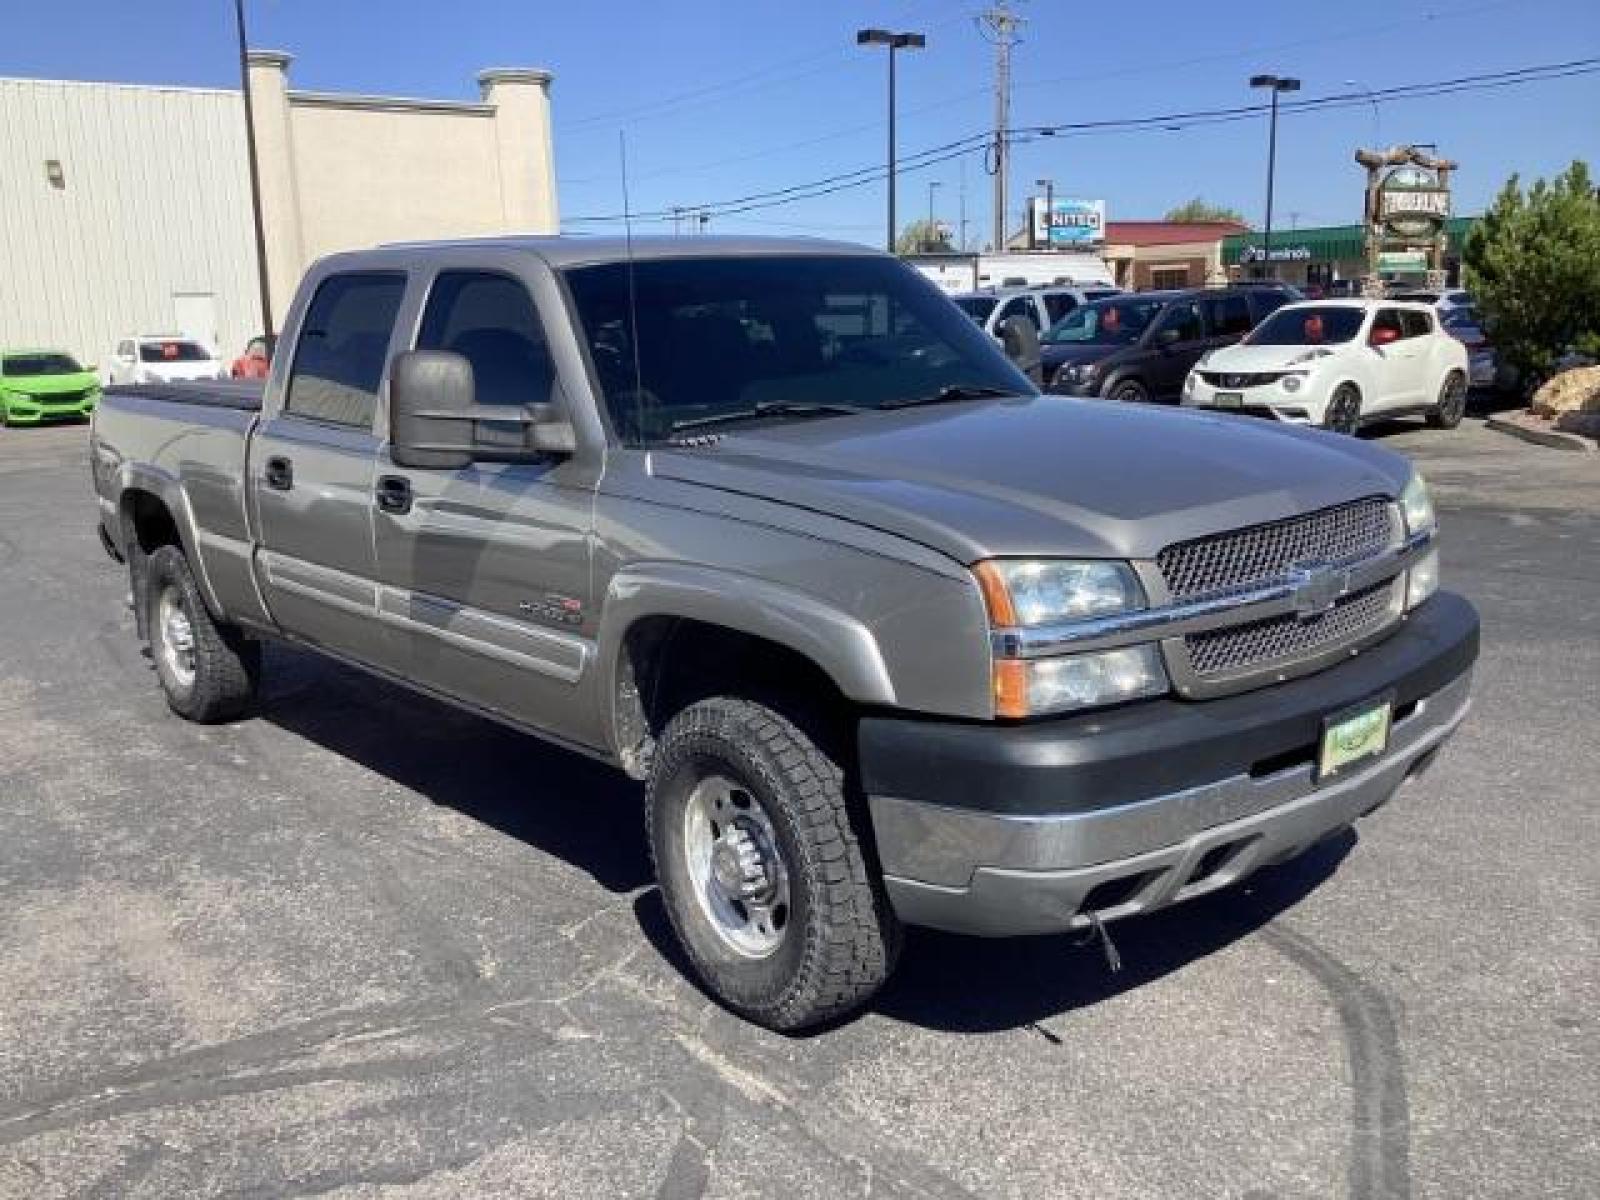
point(894, 41)
point(1049, 186)
point(1277, 85)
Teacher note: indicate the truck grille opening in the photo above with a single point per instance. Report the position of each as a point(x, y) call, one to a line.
point(1287, 638)
point(1261, 554)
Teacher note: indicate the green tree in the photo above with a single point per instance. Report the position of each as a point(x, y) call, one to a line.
point(1533, 265)
point(1202, 210)
point(923, 237)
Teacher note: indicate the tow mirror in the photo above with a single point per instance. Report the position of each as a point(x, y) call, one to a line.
point(1020, 337)
point(436, 422)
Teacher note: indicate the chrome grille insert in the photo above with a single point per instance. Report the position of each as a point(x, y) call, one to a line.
point(1263, 553)
point(1287, 639)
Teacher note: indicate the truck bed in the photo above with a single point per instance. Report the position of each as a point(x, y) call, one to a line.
point(241, 394)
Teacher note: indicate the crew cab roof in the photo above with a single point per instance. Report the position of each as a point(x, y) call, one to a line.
point(561, 252)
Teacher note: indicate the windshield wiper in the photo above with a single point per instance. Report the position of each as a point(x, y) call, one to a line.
point(950, 393)
point(769, 408)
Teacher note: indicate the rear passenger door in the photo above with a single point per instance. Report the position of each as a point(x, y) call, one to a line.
point(312, 463)
point(485, 570)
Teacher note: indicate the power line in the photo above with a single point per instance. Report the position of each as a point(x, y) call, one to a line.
point(949, 151)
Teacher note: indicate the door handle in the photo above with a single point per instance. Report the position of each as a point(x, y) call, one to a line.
point(394, 493)
point(280, 473)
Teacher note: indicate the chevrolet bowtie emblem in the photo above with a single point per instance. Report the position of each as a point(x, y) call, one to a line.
point(1316, 588)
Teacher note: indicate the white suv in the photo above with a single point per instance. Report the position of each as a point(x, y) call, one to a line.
point(1338, 363)
point(163, 358)
point(1044, 306)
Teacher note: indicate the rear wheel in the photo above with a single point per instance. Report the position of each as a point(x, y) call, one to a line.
point(1452, 404)
point(763, 867)
point(208, 670)
point(1344, 410)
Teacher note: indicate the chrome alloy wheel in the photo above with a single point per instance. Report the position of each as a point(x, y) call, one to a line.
point(739, 878)
point(175, 634)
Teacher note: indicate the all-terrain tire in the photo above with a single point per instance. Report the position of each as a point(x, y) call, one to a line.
point(224, 665)
point(841, 938)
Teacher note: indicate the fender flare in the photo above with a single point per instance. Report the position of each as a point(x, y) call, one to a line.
point(841, 646)
point(167, 488)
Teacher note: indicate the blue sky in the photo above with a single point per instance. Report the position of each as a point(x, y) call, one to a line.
point(721, 99)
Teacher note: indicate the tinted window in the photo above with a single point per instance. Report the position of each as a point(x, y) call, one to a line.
point(1416, 324)
point(124, 349)
point(1109, 322)
point(703, 337)
point(1018, 306)
point(1388, 320)
point(1264, 301)
point(976, 307)
point(19, 365)
point(1058, 305)
point(1184, 317)
point(172, 350)
point(490, 321)
point(1230, 314)
point(1312, 325)
point(344, 341)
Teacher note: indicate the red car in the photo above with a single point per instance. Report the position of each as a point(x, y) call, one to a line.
point(256, 359)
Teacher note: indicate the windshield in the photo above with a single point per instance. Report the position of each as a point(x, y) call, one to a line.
point(174, 350)
point(18, 365)
point(731, 334)
point(976, 307)
point(1106, 322)
point(1310, 325)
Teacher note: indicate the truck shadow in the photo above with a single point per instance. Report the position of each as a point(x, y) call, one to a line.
point(557, 801)
point(588, 815)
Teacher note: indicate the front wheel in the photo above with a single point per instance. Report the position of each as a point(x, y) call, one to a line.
point(1452, 404)
point(1344, 410)
point(762, 866)
point(209, 671)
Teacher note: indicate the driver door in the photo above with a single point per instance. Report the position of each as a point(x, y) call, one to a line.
point(1179, 339)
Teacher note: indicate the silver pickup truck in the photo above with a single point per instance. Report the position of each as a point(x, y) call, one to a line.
point(773, 527)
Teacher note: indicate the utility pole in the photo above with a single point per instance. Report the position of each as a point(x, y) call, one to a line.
point(933, 228)
point(963, 246)
point(255, 172)
point(1001, 25)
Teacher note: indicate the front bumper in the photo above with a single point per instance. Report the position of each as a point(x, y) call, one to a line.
point(25, 410)
point(999, 830)
point(1305, 407)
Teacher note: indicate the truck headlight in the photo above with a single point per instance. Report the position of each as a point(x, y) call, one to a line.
point(1038, 686)
point(1042, 591)
point(1417, 507)
point(1422, 580)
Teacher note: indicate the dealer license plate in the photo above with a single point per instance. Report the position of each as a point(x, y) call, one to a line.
point(1354, 735)
point(1228, 400)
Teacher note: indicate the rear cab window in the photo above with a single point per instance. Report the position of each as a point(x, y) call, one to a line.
point(343, 348)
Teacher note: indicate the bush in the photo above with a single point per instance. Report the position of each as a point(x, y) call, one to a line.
point(1533, 265)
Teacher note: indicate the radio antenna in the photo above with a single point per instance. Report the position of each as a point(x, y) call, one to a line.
point(633, 292)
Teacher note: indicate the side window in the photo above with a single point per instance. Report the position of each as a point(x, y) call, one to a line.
point(490, 321)
point(1265, 301)
point(1058, 305)
point(1416, 324)
point(1017, 306)
point(125, 349)
point(1184, 316)
point(344, 340)
point(1386, 326)
point(1230, 315)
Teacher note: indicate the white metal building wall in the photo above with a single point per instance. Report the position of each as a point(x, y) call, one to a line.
point(154, 202)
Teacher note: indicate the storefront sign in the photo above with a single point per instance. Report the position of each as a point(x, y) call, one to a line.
point(1257, 254)
point(1412, 204)
point(1403, 261)
point(1068, 223)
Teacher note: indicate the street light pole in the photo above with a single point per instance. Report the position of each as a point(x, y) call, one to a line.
point(933, 227)
point(1277, 85)
point(255, 172)
point(895, 41)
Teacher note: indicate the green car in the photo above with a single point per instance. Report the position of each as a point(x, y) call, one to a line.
point(45, 385)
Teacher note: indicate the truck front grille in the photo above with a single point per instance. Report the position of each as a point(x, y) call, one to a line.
point(1261, 554)
point(1264, 645)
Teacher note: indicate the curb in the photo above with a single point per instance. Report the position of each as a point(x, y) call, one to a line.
point(1552, 438)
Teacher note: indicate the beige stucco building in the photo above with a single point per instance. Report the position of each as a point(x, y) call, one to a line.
point(126, 209)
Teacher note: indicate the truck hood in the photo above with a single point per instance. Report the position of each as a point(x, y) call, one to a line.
point(1040, 475)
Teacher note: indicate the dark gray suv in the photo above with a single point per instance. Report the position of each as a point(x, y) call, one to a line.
point(1140, 347)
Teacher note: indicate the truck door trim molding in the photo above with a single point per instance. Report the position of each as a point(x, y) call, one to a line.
point(518, 643)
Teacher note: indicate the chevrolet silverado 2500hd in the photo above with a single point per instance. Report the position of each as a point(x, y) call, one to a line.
point(772, 526)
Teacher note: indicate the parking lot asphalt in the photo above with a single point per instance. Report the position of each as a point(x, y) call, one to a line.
point(365, 945)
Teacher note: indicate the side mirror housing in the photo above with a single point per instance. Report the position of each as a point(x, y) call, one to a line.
point(436, 422)
point(430, 396)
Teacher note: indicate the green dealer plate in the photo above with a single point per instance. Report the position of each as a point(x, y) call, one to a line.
point(1354, 735)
